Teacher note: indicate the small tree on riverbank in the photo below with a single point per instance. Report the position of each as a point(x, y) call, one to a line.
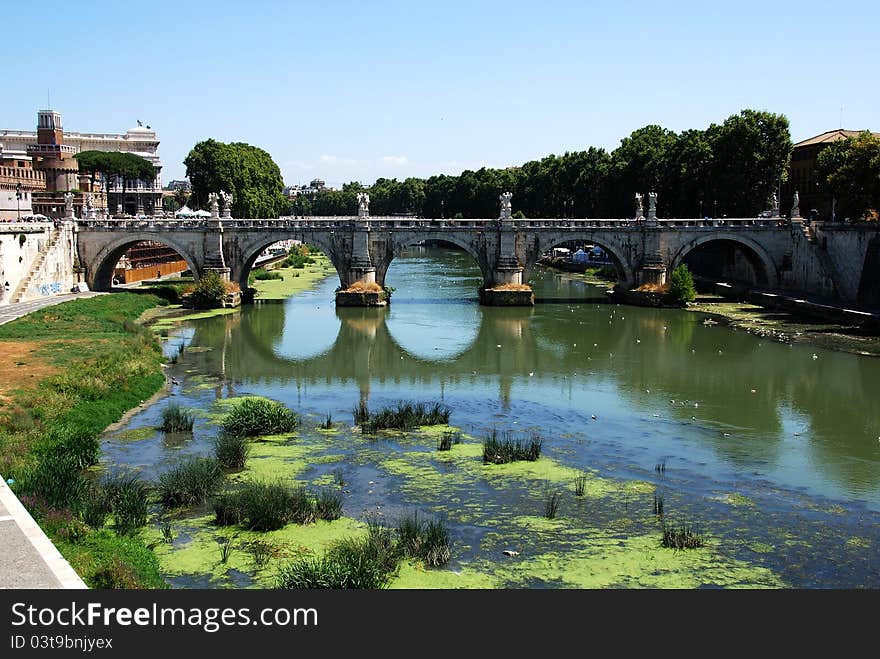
point(209, 291)
point(681, 286)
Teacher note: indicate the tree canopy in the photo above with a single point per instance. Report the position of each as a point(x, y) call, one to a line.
point(850, 170)
point(246, 171)
point(129, 166)
point(728, 169)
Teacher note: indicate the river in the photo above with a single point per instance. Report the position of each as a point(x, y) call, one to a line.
point(771, 450)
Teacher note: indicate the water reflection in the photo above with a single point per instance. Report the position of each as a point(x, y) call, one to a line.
point(652, 374)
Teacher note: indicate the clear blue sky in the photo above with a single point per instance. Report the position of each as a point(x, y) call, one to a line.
point(357, 90)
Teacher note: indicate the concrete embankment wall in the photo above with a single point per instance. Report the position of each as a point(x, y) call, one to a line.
point(38, 254)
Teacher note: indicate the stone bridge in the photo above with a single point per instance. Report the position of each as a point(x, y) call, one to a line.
point(830, 261)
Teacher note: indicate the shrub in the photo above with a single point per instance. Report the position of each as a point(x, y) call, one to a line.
point(177, 419)
point(258, 416)
point(231, 451)
point(501, 451)
point(265, 275)
point(95, 507)
point(681, 286)
point(209, 292)
point(190, 483)
point(447, 439)
point(551, 505)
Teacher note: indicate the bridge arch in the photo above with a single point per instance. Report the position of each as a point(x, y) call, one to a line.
point(398, 244)
point(242, 270)
point(99, 271)
point(625, 273)
point(758, 258)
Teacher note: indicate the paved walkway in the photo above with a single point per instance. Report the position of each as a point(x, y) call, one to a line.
point(12, 311)
point(28, 559)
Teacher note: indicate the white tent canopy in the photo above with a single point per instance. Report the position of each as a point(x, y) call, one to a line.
point(186, 211)
point(202, 214)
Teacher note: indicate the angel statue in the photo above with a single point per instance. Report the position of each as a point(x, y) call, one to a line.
point(226, 198)
point(506, 206)
point(640, 211)
point(213, 203)
point(363, 204)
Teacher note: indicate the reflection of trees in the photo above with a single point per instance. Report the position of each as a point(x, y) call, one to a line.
point(665, 351)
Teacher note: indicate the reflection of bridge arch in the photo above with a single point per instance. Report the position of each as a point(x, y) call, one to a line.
point(100, 274)
point(621, 262)
point(760, 261)
point(251, 251)
point(399, 244)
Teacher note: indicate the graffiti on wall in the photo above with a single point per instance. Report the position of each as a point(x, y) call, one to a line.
point(50, 289)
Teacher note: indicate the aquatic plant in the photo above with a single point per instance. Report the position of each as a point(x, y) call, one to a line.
point(227, 509)
point(508, 449)
point(95, 507)
point(268, 506)
point(259, 416)
point(427, 540)
point(189, 483)
point(260, 551)
point(339, 477)
point(447, 439)
point(551, 505)
point(328, 505)
point(580, 485)
point(327, 424)
point(167, 533)
point(342, 570)
point(127, 496)
point(681, 537)
point(361, 413)
point(231, 450)
point(177, 419)
point(660, 467)
point(658, 505)
point(404, 415)
point(225, 548)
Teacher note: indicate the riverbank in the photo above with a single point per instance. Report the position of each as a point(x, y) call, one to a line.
point(88, 363)
point(786, 327)
point(774, 324)
point(294, 280)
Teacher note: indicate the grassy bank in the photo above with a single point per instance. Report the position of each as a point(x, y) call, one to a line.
point(294, 280)
point(785, 327)
point(91, 363)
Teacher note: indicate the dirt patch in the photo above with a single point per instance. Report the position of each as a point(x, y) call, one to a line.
point(20, 367)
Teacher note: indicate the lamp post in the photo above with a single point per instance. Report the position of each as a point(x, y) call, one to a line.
point(18, 200)
point(442, 210)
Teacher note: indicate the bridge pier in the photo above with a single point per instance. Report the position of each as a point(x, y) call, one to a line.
point(359, 287)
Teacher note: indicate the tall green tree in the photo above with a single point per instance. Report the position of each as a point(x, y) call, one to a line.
point(850, 170)
point(751, 152)
point(642, 164)
point(246, 171)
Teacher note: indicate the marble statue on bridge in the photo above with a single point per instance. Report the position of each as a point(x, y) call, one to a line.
point(214, 204)
point(68, 204)
point(640, 211)
point(226, 197)
point(796, 205)
point(506, 206)
point(652, 205)
point(363, 204)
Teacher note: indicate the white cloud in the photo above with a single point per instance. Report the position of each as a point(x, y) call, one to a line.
point(337, 160)
point(394, 160)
